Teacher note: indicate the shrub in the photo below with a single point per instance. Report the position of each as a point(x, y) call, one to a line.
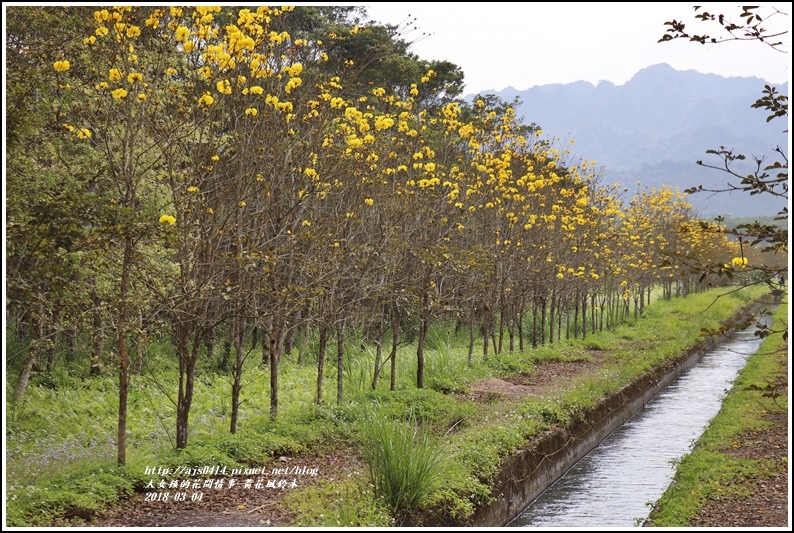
point(405, 462)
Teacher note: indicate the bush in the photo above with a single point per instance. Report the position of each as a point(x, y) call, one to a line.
point(405, 462)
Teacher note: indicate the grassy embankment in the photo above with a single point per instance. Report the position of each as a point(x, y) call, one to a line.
point(60, 436)
point(713, 471)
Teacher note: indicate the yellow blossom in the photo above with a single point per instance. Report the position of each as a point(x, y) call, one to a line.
point(132, 77)
point(740, 262)
point(293, 83)
point(206, 99)
point(118, 94)
point(89, 40)
point(369, 201)
point(295, 70)
point(141, 97)
point(181, 34)
point(251, 111)
point(68, 127)
point(224, 87)
point(256, 89)
point(114, 74)
point(192, 189)
point(101, 31)
point(167, 219)
point(84, 133)
point(62, 66)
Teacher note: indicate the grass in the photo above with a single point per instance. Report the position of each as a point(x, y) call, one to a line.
point(404, 460)
point(711, 470)
point(42, 444)
point(340, 503)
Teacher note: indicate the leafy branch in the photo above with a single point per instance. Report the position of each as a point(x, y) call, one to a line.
point(752, 27)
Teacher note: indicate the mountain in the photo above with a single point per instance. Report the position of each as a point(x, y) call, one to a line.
point(656, 126)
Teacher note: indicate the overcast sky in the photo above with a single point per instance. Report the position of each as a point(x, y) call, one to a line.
point(498, 45)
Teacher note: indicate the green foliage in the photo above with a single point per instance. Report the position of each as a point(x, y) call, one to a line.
point(514, 364)
point(342, 503)
point(425, 406)
point(405, 461)
point(77, 494)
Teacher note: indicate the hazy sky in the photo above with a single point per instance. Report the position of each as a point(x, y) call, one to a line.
point(526, 44)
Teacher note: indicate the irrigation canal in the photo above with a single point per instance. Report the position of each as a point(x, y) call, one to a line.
point(613, 484)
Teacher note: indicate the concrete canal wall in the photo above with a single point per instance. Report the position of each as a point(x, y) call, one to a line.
point(528, 472)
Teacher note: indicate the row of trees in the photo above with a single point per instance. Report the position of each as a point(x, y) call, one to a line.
point(257, 172)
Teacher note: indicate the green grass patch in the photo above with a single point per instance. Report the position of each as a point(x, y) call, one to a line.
point(338, 503)
point(70, 497)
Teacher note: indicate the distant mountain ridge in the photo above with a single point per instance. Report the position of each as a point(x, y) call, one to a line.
point(656, 126)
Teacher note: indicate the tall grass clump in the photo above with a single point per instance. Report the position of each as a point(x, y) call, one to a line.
point(405, 461)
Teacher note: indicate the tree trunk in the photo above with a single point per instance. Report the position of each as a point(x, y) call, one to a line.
point(534, 323)
point(237, 378)
point(276, 340)
point(97, 340)
point(471, 335)
point(498, 347)
point(520, 326)
point(121, 337)
point(24, 375)
point(395, 344)
point(209, 342)
point(379, 347)
point(420, 352)
point(187, 370)
point(340, 362)
point(318, 398)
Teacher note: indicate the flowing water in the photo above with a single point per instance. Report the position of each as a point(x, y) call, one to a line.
point(613, 484)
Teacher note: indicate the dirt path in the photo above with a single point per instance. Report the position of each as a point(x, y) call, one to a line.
point(235, 506)
point(768, 502)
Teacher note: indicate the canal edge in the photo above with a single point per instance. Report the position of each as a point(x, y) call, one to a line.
point(528, 472)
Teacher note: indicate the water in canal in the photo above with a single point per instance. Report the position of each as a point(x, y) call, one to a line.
point(610, 486)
